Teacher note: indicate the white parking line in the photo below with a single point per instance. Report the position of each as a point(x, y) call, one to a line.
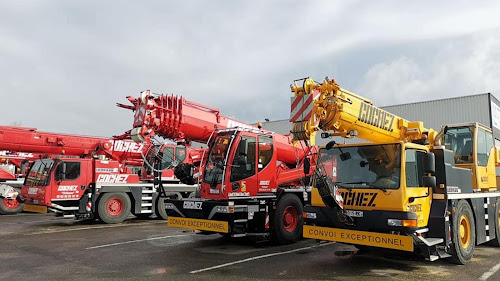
point(50, 231)
point(490, 272)
point(135, 241)
point(259, 257)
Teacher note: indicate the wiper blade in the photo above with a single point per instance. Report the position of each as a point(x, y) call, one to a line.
point(364, 183)
point(357, 182)
point(384, 189)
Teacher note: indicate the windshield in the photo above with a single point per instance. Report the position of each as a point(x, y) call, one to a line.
point(215, 161)
point(370, 166)
point(459, 140)
point(39, 173)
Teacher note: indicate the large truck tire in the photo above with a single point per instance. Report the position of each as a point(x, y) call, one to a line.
point(113, 207)
point(464, 234)
point(496, 242)
point(288, 220)
point(10, 206)
point(160, 211)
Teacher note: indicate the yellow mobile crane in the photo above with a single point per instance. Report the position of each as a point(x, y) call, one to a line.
point(408, 188)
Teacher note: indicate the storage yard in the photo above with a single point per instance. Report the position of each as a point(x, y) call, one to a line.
point(100, 235)
point(250, 140)
point(37, 246)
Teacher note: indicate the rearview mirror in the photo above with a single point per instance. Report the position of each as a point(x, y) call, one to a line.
point(430, 181)
point(345, 156)
point(61, 171)
point(429, 163)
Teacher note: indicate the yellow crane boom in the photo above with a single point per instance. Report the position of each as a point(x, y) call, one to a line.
point(325, 106)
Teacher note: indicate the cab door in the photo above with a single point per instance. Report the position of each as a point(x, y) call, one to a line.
point(414, 186)
point(485, 163)
point(243, 176)
point(70, 180)
point(266, 164)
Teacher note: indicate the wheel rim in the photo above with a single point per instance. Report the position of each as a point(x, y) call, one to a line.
point(464, 231)
point(115, 206)
point(290, 219)
point(10, 203)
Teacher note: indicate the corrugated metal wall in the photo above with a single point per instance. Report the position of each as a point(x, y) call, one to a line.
point(446, 111)
point(434, 114)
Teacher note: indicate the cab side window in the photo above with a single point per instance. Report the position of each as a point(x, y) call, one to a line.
point(414, 168)
point(265, 151)
point(180, 154)
point(72, 170)
point(240, 171)
point(168, 157)
point(484, 145)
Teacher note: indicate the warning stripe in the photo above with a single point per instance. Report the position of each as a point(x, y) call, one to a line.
point(302, 108)
point(296, 101)
point(305, 106)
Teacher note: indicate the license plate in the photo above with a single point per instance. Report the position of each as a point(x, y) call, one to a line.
point(199, 224)
point(35, 208)
point(353, 213)
point(374, 239)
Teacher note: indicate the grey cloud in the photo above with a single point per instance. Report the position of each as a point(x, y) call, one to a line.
point(66, 63)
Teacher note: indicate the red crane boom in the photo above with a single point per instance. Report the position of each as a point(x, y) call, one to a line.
point(31, 140)
point(176, 118)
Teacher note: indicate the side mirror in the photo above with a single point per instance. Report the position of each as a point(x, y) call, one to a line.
point(330, 145)
point(307, 166)
point(345, 156)
point(242, 160)
point(430, 181)
point(61, 171)
point(429, 163)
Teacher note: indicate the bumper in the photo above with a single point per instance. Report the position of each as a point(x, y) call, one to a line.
point(372, 221)
point(234, 217)
point(199, 224)
point(374, 239)
point(370, 229)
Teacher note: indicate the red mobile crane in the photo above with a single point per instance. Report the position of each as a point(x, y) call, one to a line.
point(100, 184)
point(12, 167)
point(253, 181)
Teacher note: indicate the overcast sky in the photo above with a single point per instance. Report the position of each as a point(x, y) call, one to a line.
point(64, 64)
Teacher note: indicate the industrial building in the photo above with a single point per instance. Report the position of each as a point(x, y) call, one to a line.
point(481, 108)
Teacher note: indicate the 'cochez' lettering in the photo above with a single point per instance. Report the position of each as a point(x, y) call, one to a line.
point(376, 117)
point(192, 205)
point(359, 198)
point(112, 178)
point(127, 146)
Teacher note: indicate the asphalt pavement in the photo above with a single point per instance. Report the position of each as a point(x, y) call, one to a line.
point(44, 247)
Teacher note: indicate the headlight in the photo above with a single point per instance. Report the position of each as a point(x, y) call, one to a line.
point(403, 223)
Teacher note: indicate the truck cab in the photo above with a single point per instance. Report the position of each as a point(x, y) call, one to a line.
point(61, 184)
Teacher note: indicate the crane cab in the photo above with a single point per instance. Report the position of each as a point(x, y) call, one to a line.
point(473, 148)
point(240, 163)
point(59, 184)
